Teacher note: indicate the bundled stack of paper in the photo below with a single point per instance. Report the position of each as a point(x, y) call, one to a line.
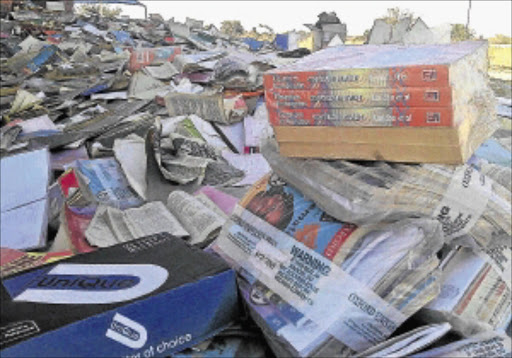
point(463, 200)
point(318, 286)
point(473, 296)
point(347, 102)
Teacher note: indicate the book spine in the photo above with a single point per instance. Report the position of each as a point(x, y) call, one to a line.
point(363, 117)
point(361, 97)
point(410, 76)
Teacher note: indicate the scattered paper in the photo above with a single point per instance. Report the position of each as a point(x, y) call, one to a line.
point(201, 222)
point(254, 166)
point(24, 199)
point(111, 226)
point(131, 154)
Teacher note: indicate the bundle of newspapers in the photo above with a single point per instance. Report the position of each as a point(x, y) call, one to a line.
point(319, 286)
point(474, 296)
point(469, 202)
point(462, 199)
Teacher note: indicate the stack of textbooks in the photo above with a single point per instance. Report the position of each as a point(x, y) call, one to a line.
point(384, 102)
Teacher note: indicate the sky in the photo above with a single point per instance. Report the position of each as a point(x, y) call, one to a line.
point(488, 18)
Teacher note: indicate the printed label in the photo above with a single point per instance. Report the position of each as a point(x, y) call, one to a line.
point(464, 201)
point(495, 347)
point(127, 332)
point(313, 285)
point(87, 284)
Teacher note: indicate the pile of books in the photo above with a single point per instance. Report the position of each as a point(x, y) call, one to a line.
point(424, 103)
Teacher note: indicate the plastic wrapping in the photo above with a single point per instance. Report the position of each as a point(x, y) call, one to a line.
point(474, 296)
point(502, 175)
point(321, 287)
point(461, 198)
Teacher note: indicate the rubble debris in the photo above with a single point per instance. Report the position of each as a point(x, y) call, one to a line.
point(326, 28)
point(407, 31)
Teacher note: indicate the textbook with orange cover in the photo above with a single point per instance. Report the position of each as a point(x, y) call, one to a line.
point(362, 117)
point(361, 97)
point(382, 85)
point(379, 66)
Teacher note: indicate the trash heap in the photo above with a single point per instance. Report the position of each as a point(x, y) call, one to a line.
point(148, 211)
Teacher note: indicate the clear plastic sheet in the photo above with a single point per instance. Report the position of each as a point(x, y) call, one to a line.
point(474, 296)
point(321, 287)
point(378, 191)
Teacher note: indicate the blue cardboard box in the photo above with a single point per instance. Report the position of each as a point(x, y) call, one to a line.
point(149, 297)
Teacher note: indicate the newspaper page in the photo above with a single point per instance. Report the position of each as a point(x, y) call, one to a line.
point(201, 222)
point(182, 170)
point(111, 226)
point(208, 107)
point(153, 218)
point(185, 169)
point(187, 159)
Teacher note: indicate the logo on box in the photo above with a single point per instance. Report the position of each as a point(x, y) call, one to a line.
point(88, 284)
point(127, 332)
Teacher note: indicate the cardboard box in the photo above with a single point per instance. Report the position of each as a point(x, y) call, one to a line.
point(149, 297)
